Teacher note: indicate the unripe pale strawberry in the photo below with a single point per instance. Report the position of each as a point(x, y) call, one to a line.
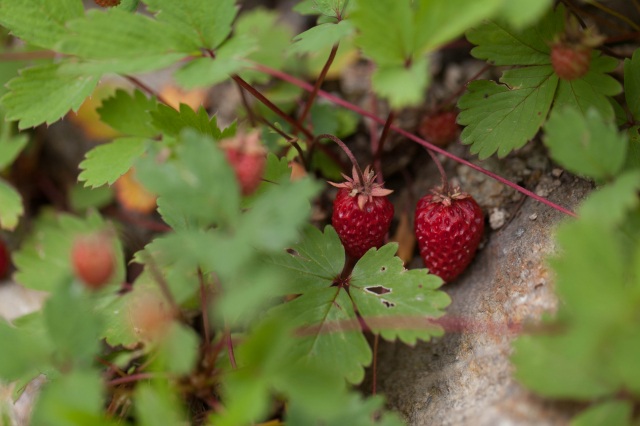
point(361, 213)
point(93, 259)
point(246, 155)
point(449, 227)
point(570, 61)
point(440, 128)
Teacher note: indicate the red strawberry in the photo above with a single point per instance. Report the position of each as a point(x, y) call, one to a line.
point(361, 213)
point(449, 227)
point(570, 61)
point(246, 155)
point(93, 259)
point(5, 260)
point(107, 3)
point(440, 128)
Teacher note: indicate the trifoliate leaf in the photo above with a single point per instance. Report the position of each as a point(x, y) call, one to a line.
point(11, 207)
point(155, 404)
point(610, 204)
point(39, 22)
point(395, 302)
point(502, 118)
point(585, 144)
point(72, 325)
point(129, 113)
point(44, 260)
point(229, 59)
point(196, 181)
point(29, 352)
point(321, 37)
point(401, 85)
point(105, 163)
point(605, 413)
point(632, 83)
point(206, 23)
point(77, 397)
point(172, 122)
point(272, 37)
point(43, 94)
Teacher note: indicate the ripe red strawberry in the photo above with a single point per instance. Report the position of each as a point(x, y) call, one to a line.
point(361, 213)
point(246, 155)
point(93, 259)
point(107, 3)
point(440, 128)
point(5, 260)
point(570, 61)
point(449, 227)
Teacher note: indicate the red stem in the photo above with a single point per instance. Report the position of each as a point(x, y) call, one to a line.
point(229, 343)
point(316, 87)
point(378, 154)
point(346, 151)
point(146, 89)
point(132, 378)
point(290, 79)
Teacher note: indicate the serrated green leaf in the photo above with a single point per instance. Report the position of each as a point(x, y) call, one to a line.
point(329, 8)
point(500, 44)
point(117, 312)
point(612, 413)
point(42, 94)
point(229, 59)
point(321, 37)
point(72, 325)
point(197, 181)
point(609, 205)
point(172, 122)
point(395, 302)
point(402, 86)
point(11, 208)
point(9, 70)
point(10, 146)
point(29, 352)
point(105, 163)
point(39, 22)
point(44, 259)
point(156, 405)
point(207, 24)
point(72, 399)
point(120, 36)
point(178, 349)
point(586, 145)
point(273, 37)
point(128, 5)
point(129, 114)
point(632, 83)
point(500, 118)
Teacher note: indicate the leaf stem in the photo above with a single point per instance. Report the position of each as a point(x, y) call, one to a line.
point(245, 102)
point(316, 86)
point(378, 154)
point(133, 378)
point(146, 89)
point(290, 79)
point(346, 151)
point(292, 140)
point(229, 343)
point(443, 175)
point(205, 311)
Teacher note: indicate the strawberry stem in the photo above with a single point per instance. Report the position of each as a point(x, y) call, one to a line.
point(146, 89)
point(341, 102)
point(316, 86)
point(378, 154)
point(346, 151)
point(443, 175)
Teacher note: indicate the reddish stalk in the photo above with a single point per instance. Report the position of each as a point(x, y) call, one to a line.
point(443, 176)
point(290, 79)
point(146, 89)
point(245, 102)
point(292, 140)
point(205, 311)
point(316, 86)
point(259, 96)
point(230, 353)
point(378, 154)
point(133, 378)
point(346, 151)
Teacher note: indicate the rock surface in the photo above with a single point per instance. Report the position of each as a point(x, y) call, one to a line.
point(465, 377)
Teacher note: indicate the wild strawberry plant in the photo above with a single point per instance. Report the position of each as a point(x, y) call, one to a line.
point(241, 312)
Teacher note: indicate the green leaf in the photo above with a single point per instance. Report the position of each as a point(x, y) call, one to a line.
point(609, 205)
point(105, 163)
point(321, 37)
point(76, 398)
point(632, 83)
point(520, 13)
point(10, 146)
point(178, 350)
point(11, 207)
point(172, 122)
point(329, 8)
point(229, 59)
point(191, 182)
point(585, 144)
point(129, 114)
point(73, 327)
point(82, 198)
point(39, 22)
point(612, 413)
point(207, 24)
point(29, 352)
point(402, 86)
point(156, 405)
point(633, 150)
point(42, 94)
point(395, 302)
point(44, 259)
point(272, 36)
point(515, 113)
